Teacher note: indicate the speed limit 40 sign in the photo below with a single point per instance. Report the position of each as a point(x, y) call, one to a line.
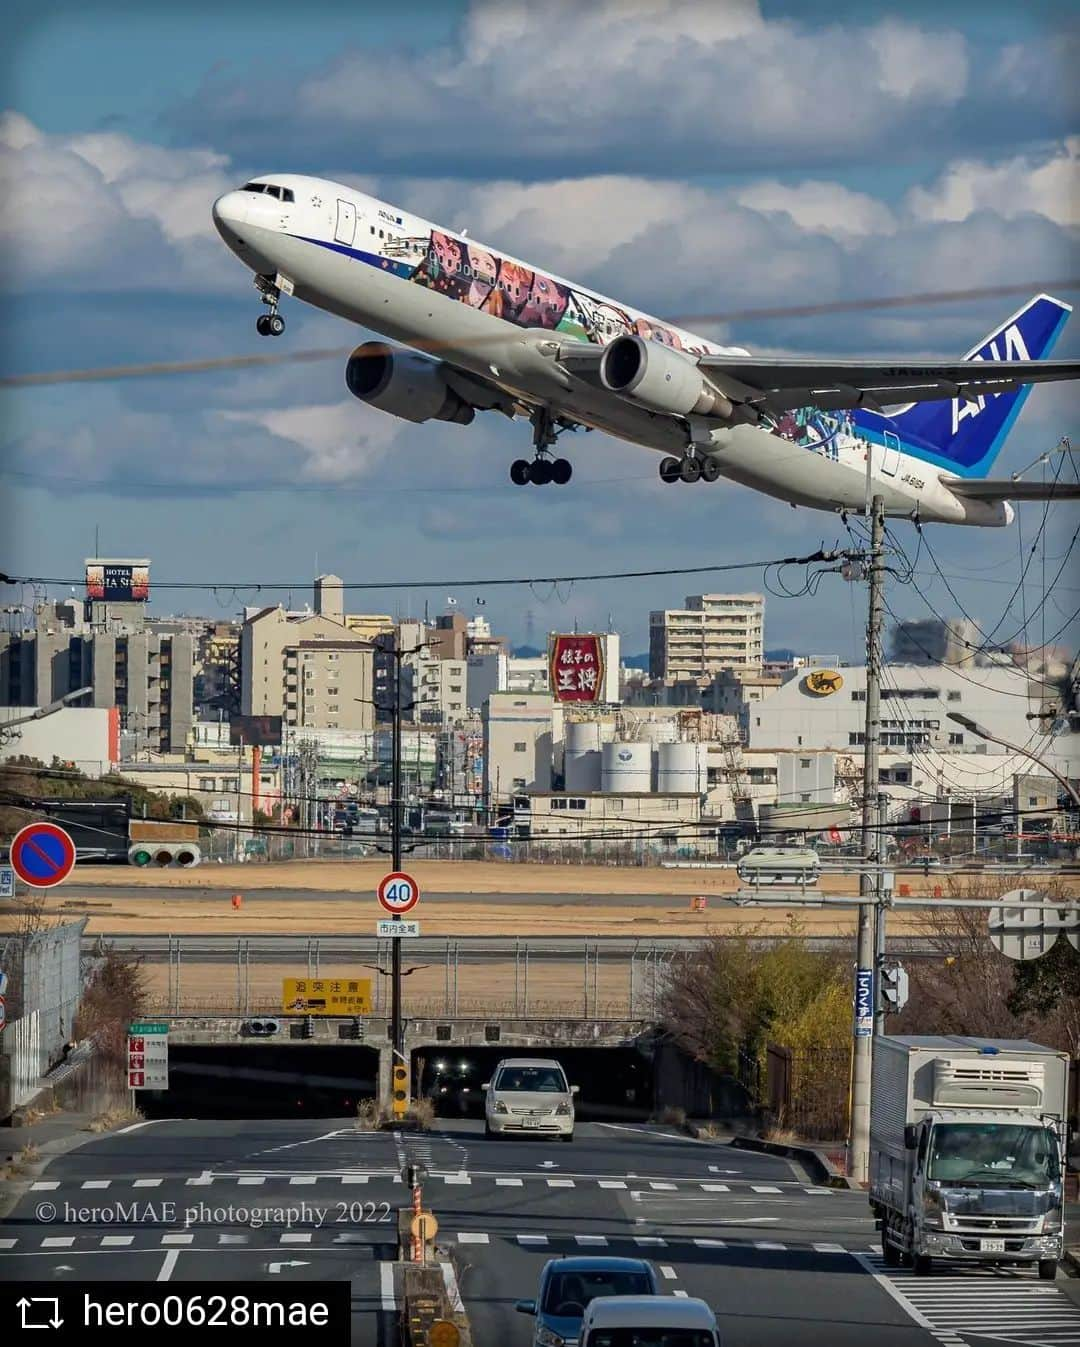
point(398, 892)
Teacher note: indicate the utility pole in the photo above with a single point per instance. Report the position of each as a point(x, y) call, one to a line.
point(863, 1025)
point(397, 1032)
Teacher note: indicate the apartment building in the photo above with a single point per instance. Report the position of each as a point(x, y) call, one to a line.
point(713, 632)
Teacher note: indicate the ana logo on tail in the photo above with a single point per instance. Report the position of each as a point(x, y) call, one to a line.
point(1015, 349)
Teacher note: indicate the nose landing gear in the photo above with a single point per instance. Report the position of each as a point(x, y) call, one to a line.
point(543, 469)
point(271, 323)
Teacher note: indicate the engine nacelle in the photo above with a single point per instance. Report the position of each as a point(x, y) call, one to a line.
point(660, 378)
point(404, 384)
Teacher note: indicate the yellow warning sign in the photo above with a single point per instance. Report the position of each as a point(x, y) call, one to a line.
point(424, 1226)
point(326, 996)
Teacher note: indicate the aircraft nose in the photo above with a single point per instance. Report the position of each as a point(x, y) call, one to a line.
point(230, 211)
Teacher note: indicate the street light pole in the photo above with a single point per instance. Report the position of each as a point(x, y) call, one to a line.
point(863, 1026)
point(982, 733)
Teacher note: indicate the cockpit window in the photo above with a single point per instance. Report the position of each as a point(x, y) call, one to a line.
point(282, 193)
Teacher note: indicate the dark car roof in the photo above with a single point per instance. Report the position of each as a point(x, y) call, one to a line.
point(598, 1264)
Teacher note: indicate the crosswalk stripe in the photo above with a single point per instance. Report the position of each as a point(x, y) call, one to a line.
point(710, 1243)
point(8, 1243)
point(715, 1187)
point(351, 1237)
point(598, 1240)
point(650, 1241)
point(472, 1237)
point(668, 1273)
point(612, 1183)
point(295, 1237)
point(58, 1242)
point(532, 1239)
point(510, 1183)
point(178, 1239)
point(561, 1183)
point(354, 1178)
point(251, 1180)
point(663, 1187)
point(306, 1179)
point(683, 1295)
point(148, 1183)
point(768, 1244)
point(44, 1186)
point(232, 1239)
point(763, 1188)
point(456, 1178)
point(829, 1248)
point(96, 1183)
point(117, 1241)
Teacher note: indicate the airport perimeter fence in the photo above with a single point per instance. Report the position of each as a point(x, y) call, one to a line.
point(227, 846)
point(804, 1091)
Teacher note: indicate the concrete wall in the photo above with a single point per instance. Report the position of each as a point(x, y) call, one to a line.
point(85, 736)
point(44, 986)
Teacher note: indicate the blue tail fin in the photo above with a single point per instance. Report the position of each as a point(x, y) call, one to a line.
point(965, 436)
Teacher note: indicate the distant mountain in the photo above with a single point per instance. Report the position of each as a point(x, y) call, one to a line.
point(526, 652)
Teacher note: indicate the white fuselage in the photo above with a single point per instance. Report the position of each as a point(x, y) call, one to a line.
point(355, 256)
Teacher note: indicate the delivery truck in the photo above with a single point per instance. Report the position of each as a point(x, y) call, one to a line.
point(968, 1138)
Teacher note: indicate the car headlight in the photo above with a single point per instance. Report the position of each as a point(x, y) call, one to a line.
point(546, 1338)
point(499, 1107)
point(564, 1110)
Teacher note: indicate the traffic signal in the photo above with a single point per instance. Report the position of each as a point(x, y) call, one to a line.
point(894, 987)
point(399, 1087)
point(261, 1028)
point(182, 855)
point(307, 1028)
point(352, 1029)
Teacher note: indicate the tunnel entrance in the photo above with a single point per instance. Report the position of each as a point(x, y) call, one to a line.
point(264, 1080)
point(616, 1083)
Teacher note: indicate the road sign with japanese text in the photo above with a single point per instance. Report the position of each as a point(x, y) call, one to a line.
point(326, 996)
point(148, 1058)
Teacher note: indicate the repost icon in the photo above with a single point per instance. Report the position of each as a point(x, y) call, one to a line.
point(40, 1312)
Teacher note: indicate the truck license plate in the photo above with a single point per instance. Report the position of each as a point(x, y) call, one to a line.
point(992, 1245)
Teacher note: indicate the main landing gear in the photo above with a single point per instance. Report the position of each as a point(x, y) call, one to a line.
point(271, 323)
point(543, 469)
point(689, 468)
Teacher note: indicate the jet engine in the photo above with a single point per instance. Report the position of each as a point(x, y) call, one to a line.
point(660, 378)
point(404, 384)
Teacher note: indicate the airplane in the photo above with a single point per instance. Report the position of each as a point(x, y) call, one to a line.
point(490, 332)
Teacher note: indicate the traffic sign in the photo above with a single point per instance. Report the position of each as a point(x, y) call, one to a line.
point(7, 882)
point(398, 892)
point(424, 1226)
point(143, 1027)
point(443, 1333)
point(394, 930)
point(326, 996)
point(3, 1012)
point(1023, 932)
point(42, 854)
point(148, 1059)
point(864, 1002)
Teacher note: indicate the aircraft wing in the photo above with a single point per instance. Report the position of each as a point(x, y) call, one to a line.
point(781, 385)
point(986, 488)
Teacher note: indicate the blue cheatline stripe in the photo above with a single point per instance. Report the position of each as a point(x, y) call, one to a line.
point(358, 255)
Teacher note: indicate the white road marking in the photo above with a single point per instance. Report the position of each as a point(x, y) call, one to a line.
point(8, 1243)
point(96, 1183)
point(666, 1187)
point(668, 1273)
point(117, 1241)
point(532, 1239)
point(766, 1244)
point(250, 1180)
point(599, 1241)
point(473, 1237)
point(350, 1237)
point(177, 1239)
point(296, 1237)
point(645, 1131)
point(386, 1286)
point(683, 1295)
point(456, 1178)
point(510, 1183)
point(134, 1127)
point(202, 1181)
point(58, 1242)
point(297, 1179)
point(763, 1188)
point(167, 1266)
point(561, 1183)
point(612, 1183)
point(232, 1239)
point(148, 1183)
point(829, 1248)
point(820, 1192)
point(716, 1187)
point(354, 1178)
point(710, 1243)
point(453, 1293)
point(44, 1186)
point(653, 1241)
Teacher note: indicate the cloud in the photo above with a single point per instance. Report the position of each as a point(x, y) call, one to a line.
point(820, 207)
point(106, 212)
point(659, 87)
point(1047, 184)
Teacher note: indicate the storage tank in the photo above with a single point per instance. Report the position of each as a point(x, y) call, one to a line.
point(626, 767)
point(581, 760)
point(681, 769)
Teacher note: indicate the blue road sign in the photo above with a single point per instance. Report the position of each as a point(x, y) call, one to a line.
point(7, 882)
point(42, 854)
point(864, 1002)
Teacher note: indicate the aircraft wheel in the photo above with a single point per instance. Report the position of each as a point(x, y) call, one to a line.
point(541, 472)
point(669, 469)
point(690, 469)
point(561, 471)
point(710, 469)
point(275, 324)
point(262, 325)
point(520, 472)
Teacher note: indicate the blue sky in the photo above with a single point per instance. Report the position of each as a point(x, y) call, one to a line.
point(684, 156)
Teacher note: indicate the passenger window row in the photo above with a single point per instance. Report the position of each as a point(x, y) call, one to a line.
point(282, 193)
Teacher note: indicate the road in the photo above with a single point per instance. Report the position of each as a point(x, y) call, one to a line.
point(781, 1260)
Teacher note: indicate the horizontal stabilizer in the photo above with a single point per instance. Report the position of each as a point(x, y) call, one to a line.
point(983, 488)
